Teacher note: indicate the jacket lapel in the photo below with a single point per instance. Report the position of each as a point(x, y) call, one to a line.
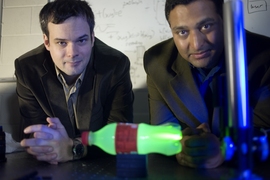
point(85, 100)
point(56, 96)
point(186, 90)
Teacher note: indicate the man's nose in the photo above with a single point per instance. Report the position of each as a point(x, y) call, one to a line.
point(72, 50)
point(196, 40)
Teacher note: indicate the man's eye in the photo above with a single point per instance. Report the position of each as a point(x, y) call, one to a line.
point(207, 26)
point(182, 32)
point(82, 41)
point(62, 43)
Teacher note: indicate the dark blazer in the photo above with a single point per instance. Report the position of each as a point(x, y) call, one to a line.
point(174, 95)
point(105, 94)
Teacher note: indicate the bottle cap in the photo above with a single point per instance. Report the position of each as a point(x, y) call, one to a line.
point(85, 138)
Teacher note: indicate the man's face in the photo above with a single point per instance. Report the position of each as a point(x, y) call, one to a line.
point(70, 44)
point(198, 33)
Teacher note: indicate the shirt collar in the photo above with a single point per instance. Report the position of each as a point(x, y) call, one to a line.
point(220, 67)
point(63, 81)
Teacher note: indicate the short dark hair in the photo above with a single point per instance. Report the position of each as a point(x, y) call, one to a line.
point(60, 10)
point(170, 5)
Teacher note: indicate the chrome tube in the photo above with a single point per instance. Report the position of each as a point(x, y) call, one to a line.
point(236, 63)
point(236, 67)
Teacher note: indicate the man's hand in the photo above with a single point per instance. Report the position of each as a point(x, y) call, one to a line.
point(49, 143)
point(200, 148)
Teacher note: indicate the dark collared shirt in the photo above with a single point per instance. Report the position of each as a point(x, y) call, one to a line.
point(71, 93)
point(205, 82)
point(205, 78)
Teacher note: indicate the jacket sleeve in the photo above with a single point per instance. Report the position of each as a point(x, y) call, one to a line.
point(159, 111)
point(119, 102)
point(30, 110)
point(260, 98)
point(259, 78)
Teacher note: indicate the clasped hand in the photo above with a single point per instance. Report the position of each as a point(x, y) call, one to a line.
point(50, 143)
point(200, 150)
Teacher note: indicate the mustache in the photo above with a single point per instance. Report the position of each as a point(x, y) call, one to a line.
point(199, 51)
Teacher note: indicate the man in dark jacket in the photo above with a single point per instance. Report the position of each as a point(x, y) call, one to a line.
point(72, 82)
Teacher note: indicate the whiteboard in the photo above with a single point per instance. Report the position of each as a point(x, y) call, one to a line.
point(257, 16)
point(133, 26)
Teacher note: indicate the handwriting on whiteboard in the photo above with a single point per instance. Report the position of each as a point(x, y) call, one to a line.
point(257, 6)
point(131, 26)
point(257, 15)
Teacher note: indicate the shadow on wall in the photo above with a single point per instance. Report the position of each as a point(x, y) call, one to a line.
point(13, 117)
point(140, 106)
point(10, 116)
point(9, 108)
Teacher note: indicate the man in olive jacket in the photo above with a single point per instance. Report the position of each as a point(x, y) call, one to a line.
point(181, 73)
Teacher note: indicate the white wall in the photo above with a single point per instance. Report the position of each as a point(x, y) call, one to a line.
point(20, 33)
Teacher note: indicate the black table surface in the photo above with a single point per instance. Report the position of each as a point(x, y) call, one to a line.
point(158, 167)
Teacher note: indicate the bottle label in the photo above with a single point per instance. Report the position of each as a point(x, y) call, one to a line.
point(126, 138)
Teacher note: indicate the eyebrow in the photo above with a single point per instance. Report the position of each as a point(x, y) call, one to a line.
point(204, 21)
point(84, 36)
point(81, 37)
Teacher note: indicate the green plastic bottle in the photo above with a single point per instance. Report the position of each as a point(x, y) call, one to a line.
point(129, 138)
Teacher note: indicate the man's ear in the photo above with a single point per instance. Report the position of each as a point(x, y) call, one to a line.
point(93, 38)
point(46, 42)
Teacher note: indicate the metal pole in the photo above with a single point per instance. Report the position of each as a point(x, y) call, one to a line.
point(239, 122)
point(1, 22)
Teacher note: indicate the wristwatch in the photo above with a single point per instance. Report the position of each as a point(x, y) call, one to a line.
point(77, 149)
